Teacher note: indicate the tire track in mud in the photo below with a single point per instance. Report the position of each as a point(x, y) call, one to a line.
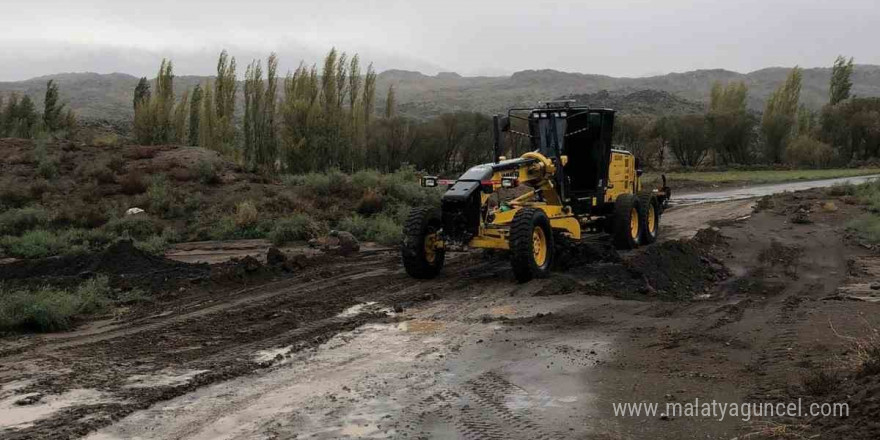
point(122, 352)
point(477, 410)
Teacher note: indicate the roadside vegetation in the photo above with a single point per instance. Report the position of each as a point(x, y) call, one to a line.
point(760, 176)
point(867, 226)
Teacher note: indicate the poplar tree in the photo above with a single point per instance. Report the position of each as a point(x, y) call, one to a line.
point(153, 113)
point(181, 111)
point(52, 109)
point(841, 79)
point(354, 83)
point(729, 126)
point(341, 79)
point(369, 94)
point(25, 119)
point(328, 83)
point(225, 88)
point(195, 107)
point(778, 120)
point(260, 143)
point(390, 103)
point(141, 92)
point(208, 136)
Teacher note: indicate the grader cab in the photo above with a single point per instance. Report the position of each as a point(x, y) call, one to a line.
point(572, 183)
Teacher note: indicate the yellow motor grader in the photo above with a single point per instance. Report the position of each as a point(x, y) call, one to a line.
point(571, 184)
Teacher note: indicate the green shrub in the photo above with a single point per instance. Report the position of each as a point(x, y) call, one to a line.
point(38, 243)
point(18, 221)
point(81, 240)
point(50, 309)
point(246, 215)
point(293, 228)
point(869, 194)
point(332, 182)
point(136, 227)
point(207, 172)
point(403, 186)
point(366, 179)
point(379, 228)
point(866, 227)
point(156, 244)
point(93, 295)
point(48, 168)
point(808, 152)
point(223, 229)
point(159, 195)
point(842, 189)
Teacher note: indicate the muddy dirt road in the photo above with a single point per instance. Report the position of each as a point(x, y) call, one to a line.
point(353, 348)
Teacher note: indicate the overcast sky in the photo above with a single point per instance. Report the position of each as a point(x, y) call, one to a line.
point(612, 37)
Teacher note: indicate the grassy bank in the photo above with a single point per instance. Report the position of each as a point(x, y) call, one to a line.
point(186, 194)
point(866, 226)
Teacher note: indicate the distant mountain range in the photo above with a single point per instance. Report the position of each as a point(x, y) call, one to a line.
point(109, 96)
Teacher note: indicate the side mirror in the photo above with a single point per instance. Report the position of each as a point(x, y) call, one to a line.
point(639, 172)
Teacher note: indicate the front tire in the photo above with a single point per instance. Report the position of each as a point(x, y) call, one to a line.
point(650, 216)
point(627, 223)
point(531, 244)
point(422, 257)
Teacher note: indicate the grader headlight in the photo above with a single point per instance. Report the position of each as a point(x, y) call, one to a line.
point(509, 182)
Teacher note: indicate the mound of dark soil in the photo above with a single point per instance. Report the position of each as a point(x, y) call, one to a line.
point(677, 269)
point(571, 254)
point(862, 394)
point(123, 262)
point(673, 270)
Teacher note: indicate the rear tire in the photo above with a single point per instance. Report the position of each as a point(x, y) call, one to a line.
point(627, 222)
point(531, 244)
point(650, 216)
point(420, 259)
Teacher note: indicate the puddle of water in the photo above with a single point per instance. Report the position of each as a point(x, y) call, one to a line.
point(162, 378)
point(14, 416)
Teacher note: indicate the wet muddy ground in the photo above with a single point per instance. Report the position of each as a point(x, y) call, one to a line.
point(350, 347)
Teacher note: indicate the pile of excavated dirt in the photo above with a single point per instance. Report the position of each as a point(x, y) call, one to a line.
point(122, 262)
point(571, 254)
point(677, 269)
point(672, 270)
point(862, 394)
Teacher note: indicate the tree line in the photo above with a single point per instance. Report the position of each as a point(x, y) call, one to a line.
point(20, 118)
point(309, 120)
point(316, 119)
point(845, 130)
